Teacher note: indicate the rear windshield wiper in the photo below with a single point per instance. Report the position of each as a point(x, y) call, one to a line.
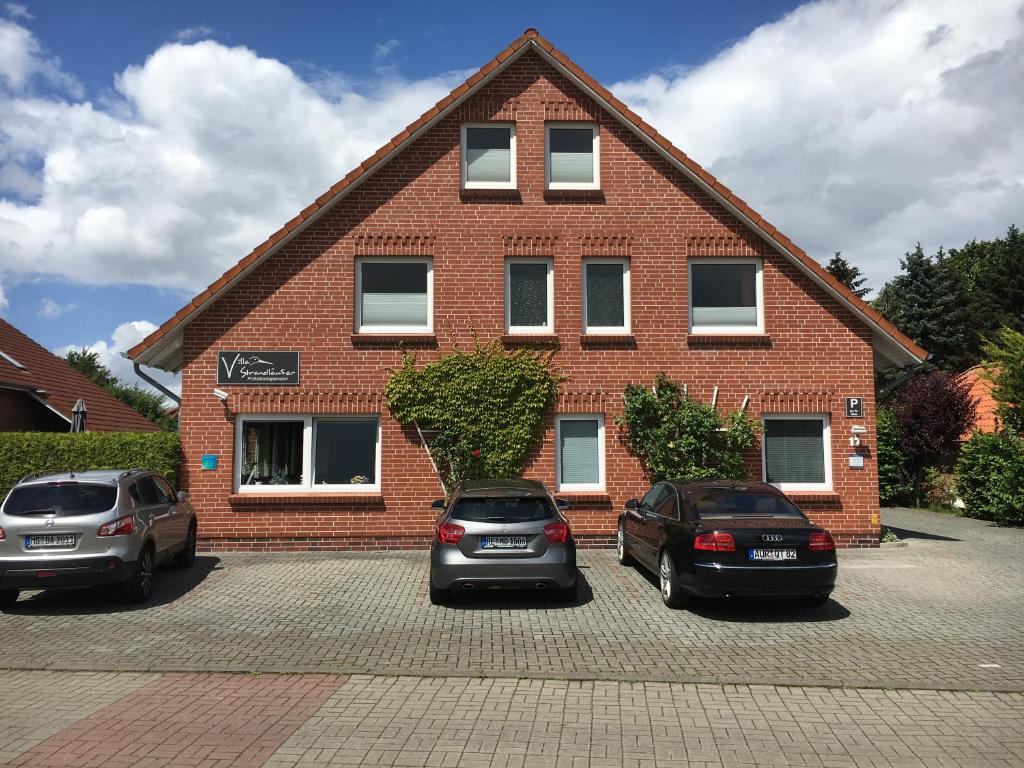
point(50, 511)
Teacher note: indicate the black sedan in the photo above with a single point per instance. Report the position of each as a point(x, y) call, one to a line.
point(727, 539)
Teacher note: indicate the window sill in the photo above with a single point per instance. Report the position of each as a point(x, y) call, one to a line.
point(625, 340)
point(297, 498)
point(585, 498)
point(494, 195)
point(530, 339)
point(743, 340)
point(574, 195)
point(394, 340)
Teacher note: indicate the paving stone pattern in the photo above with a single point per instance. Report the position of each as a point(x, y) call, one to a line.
point(926, 616)
point(230, 721)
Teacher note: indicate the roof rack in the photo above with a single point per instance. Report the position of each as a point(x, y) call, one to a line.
point(132, 471)
point(43, 473)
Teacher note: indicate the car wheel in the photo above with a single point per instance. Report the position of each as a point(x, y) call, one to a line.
point(620, 547)
point(140, 586)
point(438, 596)
point(570, 594)
point(671, 593)
point(187, 557)
point(8, 597)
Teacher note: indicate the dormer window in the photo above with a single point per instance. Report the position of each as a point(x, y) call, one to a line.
point(489, 156)
point(571, 156)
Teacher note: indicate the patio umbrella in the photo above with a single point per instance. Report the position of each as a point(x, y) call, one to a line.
point(78, 417)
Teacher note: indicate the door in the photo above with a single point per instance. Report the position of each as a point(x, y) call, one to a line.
point(663, 525)
point(176, 520)
point(151, 511)
point(646, 527)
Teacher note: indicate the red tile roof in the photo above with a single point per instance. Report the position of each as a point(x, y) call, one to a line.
point(531, 37)
point(63, 385)
point(986, 414)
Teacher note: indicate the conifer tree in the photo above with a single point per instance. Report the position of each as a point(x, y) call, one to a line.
point(847, 274)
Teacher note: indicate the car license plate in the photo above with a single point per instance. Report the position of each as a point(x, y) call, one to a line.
point(43, 542)
point(773, 554)
point(503, 542)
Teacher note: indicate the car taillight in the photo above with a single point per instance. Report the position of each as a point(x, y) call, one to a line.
point(557, 533)
point(120, 527)
point(820, 541)
point(450, 533)
point(715, 542)
point(3, 536)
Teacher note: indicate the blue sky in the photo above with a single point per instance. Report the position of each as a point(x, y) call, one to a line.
point(144, 147)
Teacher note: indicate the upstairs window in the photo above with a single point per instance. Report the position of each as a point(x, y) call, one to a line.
point(605, 296)
point(394, 295)
point(726, 296)
point(529, 296)
point(571, 157)
point(489, 156)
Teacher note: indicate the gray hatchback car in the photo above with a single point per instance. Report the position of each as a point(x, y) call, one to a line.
point(80, 529)
point(502, 533)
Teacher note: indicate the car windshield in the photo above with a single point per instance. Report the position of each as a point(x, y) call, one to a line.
point(728, 503)
point(60, 499)
point(502, 509)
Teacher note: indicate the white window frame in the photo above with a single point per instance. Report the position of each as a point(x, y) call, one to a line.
point(549, 326)
point(511, 183)
point(730, 330)
point(308, 441)
point(606, 330)
point(407, 329)
point(559, 418)
point(595, 129)
point(826, 436)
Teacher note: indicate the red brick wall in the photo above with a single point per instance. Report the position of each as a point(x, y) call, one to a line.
point(815, 353)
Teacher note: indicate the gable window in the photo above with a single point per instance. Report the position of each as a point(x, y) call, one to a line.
point(489, 156)
point(605, 296)
point(529, 296)
point(796, 453)
point(579, 442)
point(726, 295)
point(279, 453)
point(571, 157)
point(394, 295)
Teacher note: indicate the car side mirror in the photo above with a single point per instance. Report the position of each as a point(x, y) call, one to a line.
point(633, 504)
point(561, 503)
point(437, 504)
point(182, 497)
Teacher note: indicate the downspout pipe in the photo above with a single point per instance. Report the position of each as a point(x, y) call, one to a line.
point(153, 382)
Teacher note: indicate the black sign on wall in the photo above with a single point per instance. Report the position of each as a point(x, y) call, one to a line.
point(258, 368)
point(855, 407)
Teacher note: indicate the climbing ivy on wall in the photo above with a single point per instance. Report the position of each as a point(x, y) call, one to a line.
point(678, 438)
point(484, 407)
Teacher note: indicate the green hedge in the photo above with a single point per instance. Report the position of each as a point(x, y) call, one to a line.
point(25, 452)
point(990, 477)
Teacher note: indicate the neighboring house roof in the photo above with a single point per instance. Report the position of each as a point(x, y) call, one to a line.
point(986, 413)
point(162, 348)
point(28, 367)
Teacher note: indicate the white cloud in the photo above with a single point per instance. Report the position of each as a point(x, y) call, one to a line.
point(4, 303)
point(51, 310)
point(383, 51)
point(862, 125)
point(110, 353)
point(198, 32)
point(202, 153)
point(22, 59)
point(17, 11)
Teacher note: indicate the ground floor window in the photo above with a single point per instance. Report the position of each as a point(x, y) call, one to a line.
point(287, 453)
point(795, 451)
point(579, 440)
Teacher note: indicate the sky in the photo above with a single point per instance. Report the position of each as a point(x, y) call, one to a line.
point(146, 147)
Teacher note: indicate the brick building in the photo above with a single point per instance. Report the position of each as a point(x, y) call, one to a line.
point(530, 204)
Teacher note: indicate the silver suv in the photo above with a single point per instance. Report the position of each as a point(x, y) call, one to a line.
point(79, 529)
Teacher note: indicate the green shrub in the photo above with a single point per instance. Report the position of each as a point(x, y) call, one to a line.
point(895, 487)
point(939, 487)
point(25, 452)
point(990, 477)
point(678, 438)
point(486, 406)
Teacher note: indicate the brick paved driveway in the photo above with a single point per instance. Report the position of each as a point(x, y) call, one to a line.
point(934, 615)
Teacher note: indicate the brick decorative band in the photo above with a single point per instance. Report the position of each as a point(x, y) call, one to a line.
point(530, 244)
point(731, 342)
point(393, 244)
